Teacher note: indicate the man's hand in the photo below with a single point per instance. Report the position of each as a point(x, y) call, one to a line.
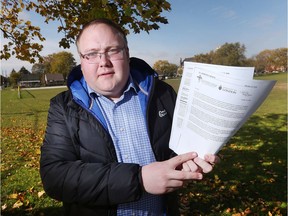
point(200, 165)
point(163, 177)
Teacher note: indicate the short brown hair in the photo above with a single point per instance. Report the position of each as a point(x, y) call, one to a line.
point(102, 21)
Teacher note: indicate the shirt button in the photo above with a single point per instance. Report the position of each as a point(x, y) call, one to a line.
point(122, 129)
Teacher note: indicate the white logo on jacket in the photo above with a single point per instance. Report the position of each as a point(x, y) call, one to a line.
point(162, 113)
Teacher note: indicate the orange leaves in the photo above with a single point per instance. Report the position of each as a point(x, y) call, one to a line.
point(17, 204)
point(247, 211)
point(22, 199)
point(226, 194)
point(41, 193)
point(20, 32)
point(21, 144)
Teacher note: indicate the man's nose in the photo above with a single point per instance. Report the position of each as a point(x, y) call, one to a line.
point(104, 59)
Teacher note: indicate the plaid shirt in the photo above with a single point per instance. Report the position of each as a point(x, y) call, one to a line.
point(128, 129)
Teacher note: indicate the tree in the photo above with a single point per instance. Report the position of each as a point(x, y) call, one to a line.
point(203, 58)
point(137, 15)
point(271, 60)
point(180, 71)
point(164, 68)
point(262, 60)
point(279, 57)
point(231, 54)
point(38, 68)
point(62, 62)
point(14, 77)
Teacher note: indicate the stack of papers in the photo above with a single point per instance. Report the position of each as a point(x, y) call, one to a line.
point(213, 102)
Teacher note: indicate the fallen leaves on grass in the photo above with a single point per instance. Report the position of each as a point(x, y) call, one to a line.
point(20, 151)
point(20, 145)
point(17, 204)
point(41, 193)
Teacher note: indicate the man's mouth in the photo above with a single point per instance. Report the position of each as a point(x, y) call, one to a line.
point(106, 74)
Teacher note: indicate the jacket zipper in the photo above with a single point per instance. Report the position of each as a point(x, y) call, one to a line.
point(112, 152)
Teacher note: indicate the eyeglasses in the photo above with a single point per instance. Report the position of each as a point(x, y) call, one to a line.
point(111, 54)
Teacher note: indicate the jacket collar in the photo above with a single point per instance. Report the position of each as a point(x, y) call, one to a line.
point(141, 73)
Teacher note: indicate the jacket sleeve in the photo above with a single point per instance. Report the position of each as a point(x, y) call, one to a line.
point(67, 178)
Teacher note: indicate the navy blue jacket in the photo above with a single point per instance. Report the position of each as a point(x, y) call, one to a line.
point(78, 162)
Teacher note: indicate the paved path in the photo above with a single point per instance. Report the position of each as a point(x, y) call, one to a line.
point(46, 87)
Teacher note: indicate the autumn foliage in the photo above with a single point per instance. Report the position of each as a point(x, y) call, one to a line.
point(133, 15)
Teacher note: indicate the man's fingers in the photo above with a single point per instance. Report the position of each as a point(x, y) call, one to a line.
point(213, 159)
point(204, 165)
point(180, 159)
point(185, 176)
point(185, 167)
point(193, 167)
point(190, 166)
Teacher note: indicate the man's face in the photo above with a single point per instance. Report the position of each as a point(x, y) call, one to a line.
point(107, 76)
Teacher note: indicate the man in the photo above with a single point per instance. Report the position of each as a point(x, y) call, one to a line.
point(106, 149)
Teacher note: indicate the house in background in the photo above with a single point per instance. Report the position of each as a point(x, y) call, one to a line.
point(29, 80)
point(3, 82)
point(54, 79)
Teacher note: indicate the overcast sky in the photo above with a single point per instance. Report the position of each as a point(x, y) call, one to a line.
point(195, 26)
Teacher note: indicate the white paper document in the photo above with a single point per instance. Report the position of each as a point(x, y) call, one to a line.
point(213, 102)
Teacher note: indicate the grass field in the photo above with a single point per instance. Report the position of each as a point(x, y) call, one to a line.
point(250, 180)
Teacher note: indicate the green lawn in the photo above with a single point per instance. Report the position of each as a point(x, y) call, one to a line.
point(23, 122)
point(250, 180)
